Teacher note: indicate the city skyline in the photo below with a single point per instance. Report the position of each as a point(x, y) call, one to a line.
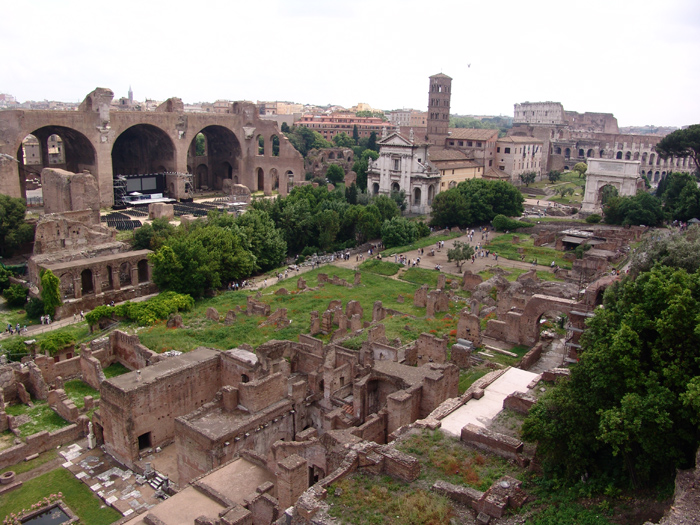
point(608, 57)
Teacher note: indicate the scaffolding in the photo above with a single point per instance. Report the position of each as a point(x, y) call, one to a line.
point(119, 185)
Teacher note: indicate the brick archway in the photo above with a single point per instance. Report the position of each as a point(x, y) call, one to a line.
point(535, 308)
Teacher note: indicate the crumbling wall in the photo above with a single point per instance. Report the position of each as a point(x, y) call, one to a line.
point(130, 352)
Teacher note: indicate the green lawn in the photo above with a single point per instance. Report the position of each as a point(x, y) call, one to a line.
point(42, 418)
point(199, 331)
point(362, 499)
point(380, 267)
point(114, 370)
point(505, 248)
point(26, 466)
point(76, 495)
point(76, 390)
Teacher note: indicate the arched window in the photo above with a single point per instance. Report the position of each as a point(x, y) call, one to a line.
point(416, 197)
point(261, 145)
point(275, 145)
point(143, 271)
point(557, 150)
point(590, 153)
point(567, 153)
point(86, 281)
point(580, 152)
point(618, 156)
point(628, 155)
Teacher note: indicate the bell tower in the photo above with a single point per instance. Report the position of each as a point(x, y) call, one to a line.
point(439, 95)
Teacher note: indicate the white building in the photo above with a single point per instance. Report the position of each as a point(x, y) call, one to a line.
point(403, 165)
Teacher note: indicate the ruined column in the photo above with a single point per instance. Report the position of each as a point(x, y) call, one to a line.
point(116, 283)
point(292, 480)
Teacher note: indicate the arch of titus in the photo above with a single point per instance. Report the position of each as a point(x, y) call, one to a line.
point(622, 175)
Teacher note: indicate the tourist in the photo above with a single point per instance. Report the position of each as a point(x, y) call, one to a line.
point(82, 315)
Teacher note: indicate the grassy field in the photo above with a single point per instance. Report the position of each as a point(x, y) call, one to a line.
point(362, 499)
point(76, 495)
point(503, 245)
point(42, 418)
point(380, 267)
point(199, 331)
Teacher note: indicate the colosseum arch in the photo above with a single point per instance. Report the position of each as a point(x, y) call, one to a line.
point(142, 149)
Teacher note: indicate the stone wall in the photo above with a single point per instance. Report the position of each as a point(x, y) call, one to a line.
point(43, 441)
point(130, 352)
point(256, 395)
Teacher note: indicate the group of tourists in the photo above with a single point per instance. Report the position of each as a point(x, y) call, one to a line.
point(10, 330)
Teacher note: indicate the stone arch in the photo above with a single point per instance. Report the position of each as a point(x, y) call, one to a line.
point(431, 194)
point(618, 155)
point(535, 308)
point(125, 273)
point(652, 156)
point(275, 141)
point(416, 197)
point(644, 157)
point(261, 179)
point(142, 149)
point(375, 188)
point(628, 155)
point(274, 179)
point(557, 150)
point(602, 153)
point(108, 283)
point(589, 154)
point(260, 141)
point(606, 192)
point(580, 152)
point(86, 283)
point(78, 153)
point(331, 155)
point(201, 177)
point(656, 176)
point(67, 285)
point(635, 156)
point(143, 272)
point(395, 187)
point(222, 156)
point(567, 153)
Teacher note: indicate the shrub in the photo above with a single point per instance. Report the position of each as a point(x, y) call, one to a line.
point(502, 223)
point(56, 341)
point(144, 313)
point(35, 308)
point(16, 295)
point(594, 218)
point(5, 275)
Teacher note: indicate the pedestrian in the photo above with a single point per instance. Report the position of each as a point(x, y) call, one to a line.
point(42, 321)
point(82, 315)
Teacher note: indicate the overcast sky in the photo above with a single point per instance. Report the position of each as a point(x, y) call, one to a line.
point(636, 59)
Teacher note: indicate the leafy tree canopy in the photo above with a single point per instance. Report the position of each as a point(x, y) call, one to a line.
point(50, 292)
point(398, 231)
point(16, 295)
point(629, 410)
point(335, 174)
point(554, 175)
point(681, 143)
point(581, 168)
point(342, 140)
point(14, 231)
point(476, 201)
point(642, 209)
point(528, 178)
point(680, 195)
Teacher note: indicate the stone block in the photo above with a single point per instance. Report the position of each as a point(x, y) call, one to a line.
point(213, 314)
point(174, 321)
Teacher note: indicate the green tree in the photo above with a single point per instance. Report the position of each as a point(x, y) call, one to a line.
point(328, 226)
point(50, 292)
point(5, 275)
point(387, 206)
point(285, 128)
point(581, 168)
point(143, 236)
point(355, 134)
point(680, 196)
point(14, 231)
point(399, 197)
point(16, 295)
point(528, 177)
point(342, 140)
point(628, 412)
point(677, 250)
point(372, 142)
point(682, 143)
point(202, 259)
point(369, 223)
point(461, 251)
point(335, 174)
point(476, 201)
point(351, 194)
point(200, 146)
point(264, 240)
point(398, 231)
point(642, 209)
point(554, 176)
point(275, 145)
